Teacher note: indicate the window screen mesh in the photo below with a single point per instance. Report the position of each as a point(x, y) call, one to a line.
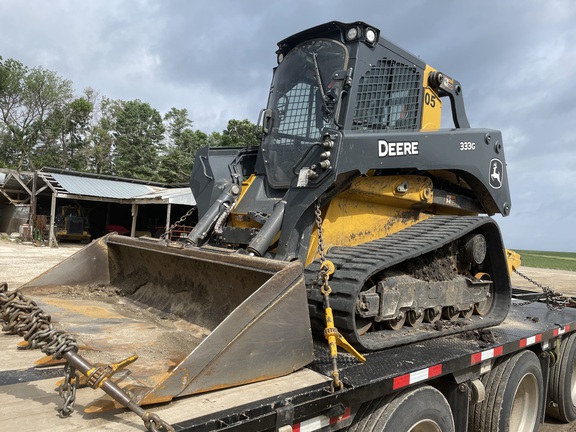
point(387, 97)
point(297, 110)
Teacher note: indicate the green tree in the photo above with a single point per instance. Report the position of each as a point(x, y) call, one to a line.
point(63, 138)
point(177, 124)
point(8, 148)
point(240, 133)
point(175, 161)
point(101, 137)
point(181, 144)
point(139, 132)
point(77, 128)
point(27, 98)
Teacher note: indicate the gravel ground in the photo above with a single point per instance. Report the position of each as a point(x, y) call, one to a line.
point(20, 263)
point(558, 280)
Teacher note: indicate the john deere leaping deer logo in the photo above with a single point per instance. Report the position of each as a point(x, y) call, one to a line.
point(496, 173)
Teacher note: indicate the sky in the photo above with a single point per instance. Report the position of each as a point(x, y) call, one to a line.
point(515, 60)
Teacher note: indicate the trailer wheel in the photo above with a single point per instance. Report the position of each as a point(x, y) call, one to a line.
point(514, 392)
point(562, 384)
point(423, 409)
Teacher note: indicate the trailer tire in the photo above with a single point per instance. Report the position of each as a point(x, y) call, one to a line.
point(422, 409)
point(562, 383)
point(514, 393)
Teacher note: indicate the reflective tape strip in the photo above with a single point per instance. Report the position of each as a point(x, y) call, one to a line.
point(312, 424)
point(418, 376)
point(531, 340)
point(317, 423)
point(488, 354)
point(561, 330)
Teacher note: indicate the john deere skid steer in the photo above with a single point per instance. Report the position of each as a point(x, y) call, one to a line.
point(357, 218)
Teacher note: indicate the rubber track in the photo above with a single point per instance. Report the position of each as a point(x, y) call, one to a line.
point(356, 264)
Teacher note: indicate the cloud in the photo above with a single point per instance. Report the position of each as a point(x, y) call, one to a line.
point(514, 59)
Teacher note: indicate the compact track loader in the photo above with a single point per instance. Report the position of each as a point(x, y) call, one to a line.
point(357, 218)
point(354, 171)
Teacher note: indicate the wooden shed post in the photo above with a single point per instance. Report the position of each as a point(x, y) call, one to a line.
point(52, 237)
point(134, 219)
point(168, 214)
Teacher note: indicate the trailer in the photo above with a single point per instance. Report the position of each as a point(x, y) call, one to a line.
point(506, 377)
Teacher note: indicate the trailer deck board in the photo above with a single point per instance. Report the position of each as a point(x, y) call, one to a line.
point(403, 366)
point(29, 401)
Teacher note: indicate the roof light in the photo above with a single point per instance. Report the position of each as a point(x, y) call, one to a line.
point(371, 36)
point(352, 33)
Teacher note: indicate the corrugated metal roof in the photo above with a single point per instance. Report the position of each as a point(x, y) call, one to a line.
point(101, 187)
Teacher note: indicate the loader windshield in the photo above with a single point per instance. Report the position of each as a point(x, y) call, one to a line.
point(302, 101)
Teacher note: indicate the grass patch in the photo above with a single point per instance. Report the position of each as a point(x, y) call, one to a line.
point(549, 260)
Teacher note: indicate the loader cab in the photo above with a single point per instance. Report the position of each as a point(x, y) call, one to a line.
point(338, 76)
point(303, 100)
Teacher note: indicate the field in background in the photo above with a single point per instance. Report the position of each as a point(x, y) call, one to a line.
point(549, 260)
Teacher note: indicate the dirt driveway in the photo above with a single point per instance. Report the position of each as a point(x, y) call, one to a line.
point(20, 263)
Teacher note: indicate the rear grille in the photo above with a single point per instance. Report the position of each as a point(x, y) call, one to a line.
point(387, 97)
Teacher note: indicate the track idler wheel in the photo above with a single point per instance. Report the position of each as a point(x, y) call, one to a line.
point(450, 313)
point(431, 315)
point(474, 248)
point(396, 323)
point(414, 318)
point(467, 313)
point(363, 325)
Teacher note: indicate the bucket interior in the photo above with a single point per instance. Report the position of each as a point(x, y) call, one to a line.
point(123, 296)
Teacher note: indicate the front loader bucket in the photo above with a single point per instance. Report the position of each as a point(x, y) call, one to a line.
point(199, 319)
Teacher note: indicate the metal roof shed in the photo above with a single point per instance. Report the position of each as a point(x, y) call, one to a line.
point(95, 187)
point(72, 184)
point(164, 196)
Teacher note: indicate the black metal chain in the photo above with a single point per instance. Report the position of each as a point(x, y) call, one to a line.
point(323, 273)
point(67, 391)
point(331, 333)
point(24, 317)
point(154, 423)
point(178, 223)
point(554, 300)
